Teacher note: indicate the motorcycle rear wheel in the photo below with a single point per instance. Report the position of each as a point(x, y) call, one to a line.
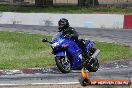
point(63, 64)
point(94, 67)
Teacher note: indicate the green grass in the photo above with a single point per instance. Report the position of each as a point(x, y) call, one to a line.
point(110, 52)
point(65, 9)
point(23, 50)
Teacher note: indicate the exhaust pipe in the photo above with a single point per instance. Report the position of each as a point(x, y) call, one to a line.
point(96, 53)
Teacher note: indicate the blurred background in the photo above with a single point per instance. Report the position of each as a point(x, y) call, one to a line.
point(86, 3)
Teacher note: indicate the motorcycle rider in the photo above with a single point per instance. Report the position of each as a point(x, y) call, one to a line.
point(67, 31)
point(70, 33)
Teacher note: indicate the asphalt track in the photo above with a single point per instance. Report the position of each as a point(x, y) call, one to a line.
point(122, 36)
point(114, 70)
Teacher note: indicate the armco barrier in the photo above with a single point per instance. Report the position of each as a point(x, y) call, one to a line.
point(113, 21)
point(127, 22)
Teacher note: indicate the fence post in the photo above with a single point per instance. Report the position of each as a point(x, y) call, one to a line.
point(11, 1)
point(93, 3)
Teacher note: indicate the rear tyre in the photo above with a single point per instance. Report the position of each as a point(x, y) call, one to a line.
point(84, 81)
point(63, 64)
point(94, 67)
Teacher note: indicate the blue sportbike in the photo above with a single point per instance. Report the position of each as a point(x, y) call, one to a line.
point(69, 56)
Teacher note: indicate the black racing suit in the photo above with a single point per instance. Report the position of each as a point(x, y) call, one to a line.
point(70, 33)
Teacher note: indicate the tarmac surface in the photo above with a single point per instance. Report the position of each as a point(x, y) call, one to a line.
point(114, 70)
point(37, 76)
point(122, 36)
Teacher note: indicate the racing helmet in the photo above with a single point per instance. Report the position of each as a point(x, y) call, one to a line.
point(63, 24)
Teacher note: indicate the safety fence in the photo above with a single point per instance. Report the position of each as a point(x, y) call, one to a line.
point(119, 3)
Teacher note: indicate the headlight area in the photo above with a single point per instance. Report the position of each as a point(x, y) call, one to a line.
point(56, 44)
point(56, 47)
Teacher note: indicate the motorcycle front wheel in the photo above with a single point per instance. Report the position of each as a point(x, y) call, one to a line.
point(63, 64)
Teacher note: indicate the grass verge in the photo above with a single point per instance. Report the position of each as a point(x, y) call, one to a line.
point(23, 50)
point(65, 9)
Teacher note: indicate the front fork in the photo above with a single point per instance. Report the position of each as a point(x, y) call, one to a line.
point(62, 54)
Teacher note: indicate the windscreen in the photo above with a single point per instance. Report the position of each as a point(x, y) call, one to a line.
point(56, 36)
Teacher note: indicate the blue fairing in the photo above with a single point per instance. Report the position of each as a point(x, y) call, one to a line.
point(74, 51)
point(60, 53)
point(89, 45)
point(58, 44)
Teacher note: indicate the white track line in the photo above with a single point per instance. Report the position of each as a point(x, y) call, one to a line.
point(66, 83)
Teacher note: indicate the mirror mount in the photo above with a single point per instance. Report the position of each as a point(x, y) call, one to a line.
point(45, 40)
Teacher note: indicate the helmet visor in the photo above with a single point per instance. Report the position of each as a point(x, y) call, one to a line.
point(61, 24)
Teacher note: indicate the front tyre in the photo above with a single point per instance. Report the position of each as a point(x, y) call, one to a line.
point(63, 64)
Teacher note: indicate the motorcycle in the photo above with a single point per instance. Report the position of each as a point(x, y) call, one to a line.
point(69, 56)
